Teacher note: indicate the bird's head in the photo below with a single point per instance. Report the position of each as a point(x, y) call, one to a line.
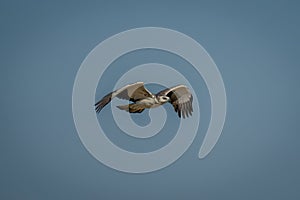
point(163, 99)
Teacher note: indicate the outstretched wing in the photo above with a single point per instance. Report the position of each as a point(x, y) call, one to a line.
point(181, 99)
point(131, 92)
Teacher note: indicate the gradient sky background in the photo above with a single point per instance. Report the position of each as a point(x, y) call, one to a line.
point(255, 44)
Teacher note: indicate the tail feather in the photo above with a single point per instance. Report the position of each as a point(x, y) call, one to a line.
point(132, 108)
point(124, 107)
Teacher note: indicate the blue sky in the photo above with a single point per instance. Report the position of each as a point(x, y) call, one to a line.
point(255, 44)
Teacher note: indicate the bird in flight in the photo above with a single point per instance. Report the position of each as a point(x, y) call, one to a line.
point(179, 96)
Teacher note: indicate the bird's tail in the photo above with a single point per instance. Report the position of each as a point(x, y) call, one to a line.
point(132, 108)
point(124, 107)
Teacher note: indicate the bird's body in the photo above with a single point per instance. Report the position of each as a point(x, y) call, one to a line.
point(149, 102)
point(179, 96)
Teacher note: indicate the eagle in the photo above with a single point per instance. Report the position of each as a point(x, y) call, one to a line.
point(179, 96)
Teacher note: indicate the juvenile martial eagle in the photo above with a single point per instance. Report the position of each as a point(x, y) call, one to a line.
point(179, 96)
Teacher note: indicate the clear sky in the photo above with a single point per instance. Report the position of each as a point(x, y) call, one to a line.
point(255, 45)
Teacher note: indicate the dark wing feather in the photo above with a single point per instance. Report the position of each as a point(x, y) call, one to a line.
point(131, 92)
point(136, 108)
point(181, 99)
point(103, 102)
